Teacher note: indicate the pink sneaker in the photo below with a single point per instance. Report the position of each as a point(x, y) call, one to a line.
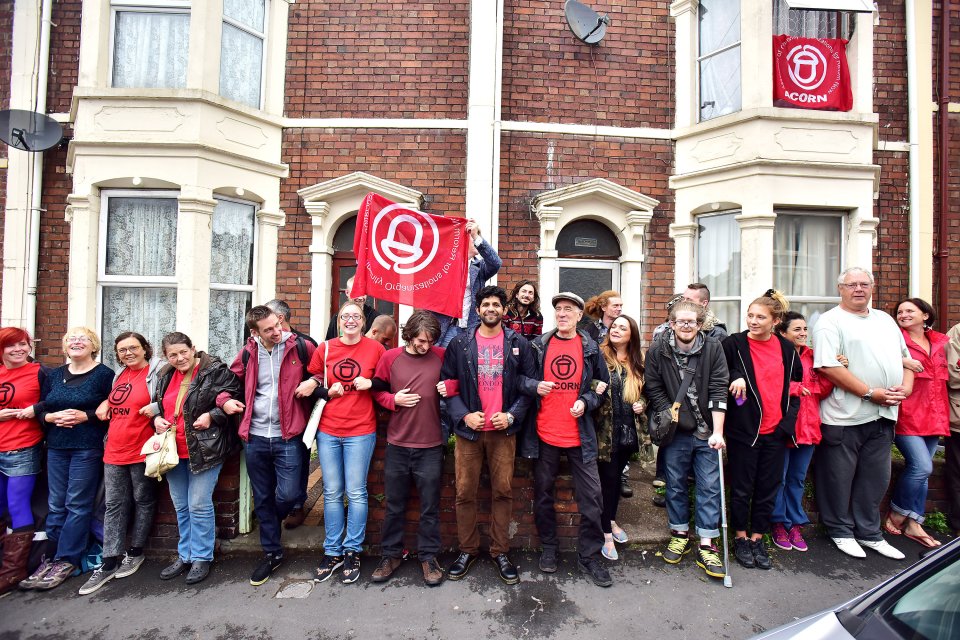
point(796, 540)
point(780, 537)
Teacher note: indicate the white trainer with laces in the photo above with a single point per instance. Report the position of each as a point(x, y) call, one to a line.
point(849, 546)
point(884, 548)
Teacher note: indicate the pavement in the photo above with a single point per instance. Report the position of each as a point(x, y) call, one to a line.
point(649, 599)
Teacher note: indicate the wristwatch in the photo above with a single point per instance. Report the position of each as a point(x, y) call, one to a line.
point(868, 396)
point(510, 419)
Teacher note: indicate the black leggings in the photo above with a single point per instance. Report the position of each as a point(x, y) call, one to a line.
point(610, 485)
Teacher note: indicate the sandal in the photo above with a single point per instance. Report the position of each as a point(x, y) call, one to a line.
point(891, 527)
point(926, 540)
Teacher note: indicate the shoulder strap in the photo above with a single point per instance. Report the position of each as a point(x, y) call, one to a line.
point(688, 372)
point(302, 354)
point(244, 358)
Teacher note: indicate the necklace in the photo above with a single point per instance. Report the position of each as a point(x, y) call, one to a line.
point(136, 377)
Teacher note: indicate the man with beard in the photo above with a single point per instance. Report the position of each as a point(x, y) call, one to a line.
point(489, 365)
point(683, 350)
point(570, 381)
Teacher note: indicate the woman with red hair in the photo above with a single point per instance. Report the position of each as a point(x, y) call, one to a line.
point(20, 438)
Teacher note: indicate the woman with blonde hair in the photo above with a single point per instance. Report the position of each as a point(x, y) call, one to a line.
point(620, 429)
point(760, 421)
point(71, 395)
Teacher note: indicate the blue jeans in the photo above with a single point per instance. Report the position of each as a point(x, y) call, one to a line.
point(344, 463)
point(687, 452)
point(273, 465)
point(192, 496)
point(73, 476)
point(789, 506)
point(910, 493)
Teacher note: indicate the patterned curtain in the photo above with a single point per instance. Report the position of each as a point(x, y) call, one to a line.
point(141, 237)
point(231, 263)
point(151, 49)
point(148, 311)
point(805, 24)
point(241, 52)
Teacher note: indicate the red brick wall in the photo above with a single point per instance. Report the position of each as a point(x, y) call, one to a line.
point(54, 256)
point(432, 162)
point(534, 163)
point(892, 256)
point(64, 55)
point(377, 59)
point(890, 71)
point(625, 81)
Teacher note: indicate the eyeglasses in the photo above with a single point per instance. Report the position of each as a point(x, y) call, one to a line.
point(123, 350)
point(352, 316)
point(850, 286)
point(685, 323)
point(78, 339)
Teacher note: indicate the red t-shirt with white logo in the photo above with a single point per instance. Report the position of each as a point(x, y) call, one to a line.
point(19, 389)
point(128, 429)
point(352, 414)
point(563, 364)
point(490, 376)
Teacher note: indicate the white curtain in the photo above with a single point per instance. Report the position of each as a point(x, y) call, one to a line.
point(806, 257)
point(718, 254)
point(227, 331)
point(148, 311)
point(241, 65)
point(720, 92)
point(248, 12)
point(141, 237)
point(806, 24)
point(151, 49)
point(231, 246)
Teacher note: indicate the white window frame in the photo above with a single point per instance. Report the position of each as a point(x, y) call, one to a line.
point(263, 38)
point(843, 215)
point(250, 288)
point(142, 6)
point(587, 263)
point(701, 57)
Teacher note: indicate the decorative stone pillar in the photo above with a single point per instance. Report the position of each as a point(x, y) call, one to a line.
point(756, 252)
point(194, 234)
point(549, 275)
point(268, 229)
point(684, 251)
point(83, 216)
point(631, 264)
point(321, 262)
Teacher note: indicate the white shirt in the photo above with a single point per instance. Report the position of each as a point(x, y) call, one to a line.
point(874, 346)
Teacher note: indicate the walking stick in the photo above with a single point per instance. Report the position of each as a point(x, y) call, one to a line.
point(727, 580)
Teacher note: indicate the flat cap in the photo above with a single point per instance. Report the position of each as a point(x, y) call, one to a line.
point(567, 295)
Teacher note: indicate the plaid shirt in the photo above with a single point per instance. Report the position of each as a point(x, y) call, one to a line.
point(529, 327)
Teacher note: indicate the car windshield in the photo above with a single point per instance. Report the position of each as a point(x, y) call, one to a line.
point(931, 610)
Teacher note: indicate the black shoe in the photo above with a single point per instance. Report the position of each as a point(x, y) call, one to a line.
point(351, 567)
point(174, 570)
point(199, 571)
point(548, 560)
point(743, 552)
point(659, 499)
point(508, 572)
point(597, 572)
point(678, 546)
point(461, 566)
point(263, 570)
point(626, 491)
point(760, 557)
point(328, 564)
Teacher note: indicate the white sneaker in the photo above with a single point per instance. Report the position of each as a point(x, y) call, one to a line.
point(849, 546)
point(884, 548)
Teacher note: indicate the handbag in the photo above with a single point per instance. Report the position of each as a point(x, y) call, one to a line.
point(663, 423)
point(313, 422)
point(161, 453)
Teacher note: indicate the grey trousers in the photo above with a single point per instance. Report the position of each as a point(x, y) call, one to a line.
point(852, 473)
point(127, 489)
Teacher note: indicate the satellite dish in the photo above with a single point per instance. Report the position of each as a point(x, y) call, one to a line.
point(29, 130)
point(586, 24)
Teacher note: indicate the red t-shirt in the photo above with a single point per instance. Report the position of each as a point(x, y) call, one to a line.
point(563, 364)
point(169, 404)
point(19, 389)
point(352, 414)
point(490, 377)
point(128, 429)
point(768, 367)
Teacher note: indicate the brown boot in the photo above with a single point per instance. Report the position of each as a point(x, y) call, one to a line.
point(16, 555)
point(432, 573)
point(385, 569)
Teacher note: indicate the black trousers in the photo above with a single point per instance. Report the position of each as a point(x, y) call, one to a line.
point(952, 472)
point(610, 473)
point(756, 474)
point(586, 482)
point(425, 468)
point(852, 472)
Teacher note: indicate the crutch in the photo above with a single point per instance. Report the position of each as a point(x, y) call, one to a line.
point(727, 580)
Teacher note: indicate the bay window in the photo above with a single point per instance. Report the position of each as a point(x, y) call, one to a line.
point(231, 275)
point(718, 59)
point(807, 258)
point(242, 49)
point(150, 44)
point(718, 264)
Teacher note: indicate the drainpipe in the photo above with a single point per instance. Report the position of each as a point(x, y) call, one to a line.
point(914, 146)
point(36, 178)
point(943, 71)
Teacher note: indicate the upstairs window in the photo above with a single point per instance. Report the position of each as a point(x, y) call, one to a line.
point(241, 50)
point(151, 44)
point(718, 59)
point(805, 24)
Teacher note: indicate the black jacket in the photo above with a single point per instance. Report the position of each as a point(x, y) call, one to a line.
point(594, 368)
point(460, 363)
point(207, 447)
point(743, 421)
point(661, 381)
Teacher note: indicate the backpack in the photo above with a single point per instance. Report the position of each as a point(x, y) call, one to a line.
point(301, 352)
